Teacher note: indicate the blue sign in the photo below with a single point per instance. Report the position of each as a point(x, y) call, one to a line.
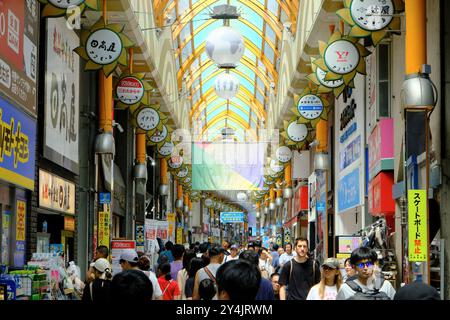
point(348, 133)
point(231, 217)
point(17, 146)
point(351, 153)
point(348, 191)
point(105, 197)
point(320, 206)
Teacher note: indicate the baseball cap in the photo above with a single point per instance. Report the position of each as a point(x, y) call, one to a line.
point(234, 246)
point(331, 263)
point(102, 265)
point(129, 255)
point(417, 291)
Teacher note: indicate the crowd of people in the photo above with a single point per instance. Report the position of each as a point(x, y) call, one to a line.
point(233, 272)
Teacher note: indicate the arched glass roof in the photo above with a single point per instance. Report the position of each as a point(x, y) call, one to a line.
point(261, 24)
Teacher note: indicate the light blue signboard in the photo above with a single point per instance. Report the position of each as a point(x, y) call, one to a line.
point(351, 153)
point(105, 197)
point(231, 217)
point(348, 191)
point(320, 206)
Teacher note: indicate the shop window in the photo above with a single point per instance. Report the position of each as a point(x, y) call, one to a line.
point(384, 83)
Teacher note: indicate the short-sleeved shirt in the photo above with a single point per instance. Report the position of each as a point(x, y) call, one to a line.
point(189, 287)
point(330, 293)
point(265, 291)
point(202, 275)
point(156, 289)
point(175, 267)
point(285, 258)
point(169, 288)
point(345, 292)
point(302, 279)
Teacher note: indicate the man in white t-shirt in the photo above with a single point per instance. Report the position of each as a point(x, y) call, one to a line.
point(234, 254)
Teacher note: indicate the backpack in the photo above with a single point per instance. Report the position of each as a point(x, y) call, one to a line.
point(374, 294)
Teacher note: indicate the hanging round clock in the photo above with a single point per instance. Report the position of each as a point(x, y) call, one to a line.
point(147, 119)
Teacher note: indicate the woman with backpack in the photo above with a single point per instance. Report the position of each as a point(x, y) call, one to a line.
point(99, 289)
point(169, 287)
point(330, 282)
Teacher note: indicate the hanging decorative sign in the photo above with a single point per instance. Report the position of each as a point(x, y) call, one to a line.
point(147, 119)
point(130, 90)
point(371, 18)
point(311, 108)
point(166, 149)
point(159, 136)
point(317, 77)
point(183, 172)
point(104, 46)
point(276, 166)
point(341, 58)
point(175, 162)
point(58, 8)
point(283, 154)
point(296, 134)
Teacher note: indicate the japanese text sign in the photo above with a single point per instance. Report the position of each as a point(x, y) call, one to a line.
point(417, 225)
point(20, 220)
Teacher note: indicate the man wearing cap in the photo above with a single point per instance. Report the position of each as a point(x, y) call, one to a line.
point(215, 254)
point(100, 252)
point(129, 261)
point(330, 282)
point(233, 254)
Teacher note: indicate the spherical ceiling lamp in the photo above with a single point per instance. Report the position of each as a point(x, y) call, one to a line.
point(226, 86)
point(225, 46)
point(241, 196)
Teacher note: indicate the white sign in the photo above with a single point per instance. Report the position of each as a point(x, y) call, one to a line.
point(182, 173)
point(275, 166)
point(130, 90)
point(297, 132)
point(283, 154)
point(372, 15)
point(341, 57)
point(166, 149)
point(159, 136)
point(64, 4)
point(103, 46)
point(147, 119)
point(62, 95)
point(117, 248)
point(327, 83)
point(56, 193)
point(175, 162)
point(310, 106)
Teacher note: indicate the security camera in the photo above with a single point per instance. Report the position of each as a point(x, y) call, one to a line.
point(119, 127)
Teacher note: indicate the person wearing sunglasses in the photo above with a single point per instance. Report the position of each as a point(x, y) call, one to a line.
point(366, 285)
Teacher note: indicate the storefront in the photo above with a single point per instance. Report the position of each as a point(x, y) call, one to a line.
point(17, 168)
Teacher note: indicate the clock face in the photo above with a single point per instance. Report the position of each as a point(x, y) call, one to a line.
point(341, 57)
point(159, 136)
point(372, 15)
point(310, 106)
point(166, 149)
point(103, 46)
point(329, 84)
point(284, 154)
point(147, 119)
point(297, 131)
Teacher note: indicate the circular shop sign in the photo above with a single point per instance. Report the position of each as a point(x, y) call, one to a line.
point(159, 136)
point(275, 166)
point(372, 15)
point(103, 46)
point(327, 83)
point(166, 149)
point(182, 173)
point(310, 106)
point(284, 154)
point(208, 202)
point(65, 3)
point(130, 90)
point(341, 57)
point(147, 119)
point(297, 131)
point(175, 162)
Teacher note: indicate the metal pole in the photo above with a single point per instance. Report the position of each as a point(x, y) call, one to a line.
point(442, 263)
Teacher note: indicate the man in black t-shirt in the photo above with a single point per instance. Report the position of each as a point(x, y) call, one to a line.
point(300, 274)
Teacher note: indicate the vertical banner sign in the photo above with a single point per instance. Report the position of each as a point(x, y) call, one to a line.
point(140, 240)
point(179, 235)
point(61, 95)
point(20, 220)
point(171, 220)
point(417, 225)
point(104, 218)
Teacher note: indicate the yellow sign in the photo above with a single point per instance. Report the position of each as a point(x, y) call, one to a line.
point(417, 225)
point(171, 220)
point(20, 220)
point(103, 226)
point(179, 236)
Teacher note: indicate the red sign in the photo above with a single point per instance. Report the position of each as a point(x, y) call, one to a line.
point(301, 199)
point(381, 202)
point(381, 145)
point(123, 244)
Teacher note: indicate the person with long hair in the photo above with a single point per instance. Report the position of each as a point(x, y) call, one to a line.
point(169, 287)
point(194, 265)
point(183, 274)
point(330, 282)
point(99, 289)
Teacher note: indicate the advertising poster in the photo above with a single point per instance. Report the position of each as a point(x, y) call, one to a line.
point(163, 230)
point(6, 222)
point(17, 145)
point(417, 225)
point(346, 244)
point(150, 229)
point(171, 220)
point(348, 191)
point(179, 235)
point(140, 240)
point(19, 32)
point(21, 212)
point(117, 248)
point(62, 95)
point(104, 220)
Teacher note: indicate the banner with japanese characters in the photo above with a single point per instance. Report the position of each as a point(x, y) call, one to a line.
point(417, 225)
point(62, 95)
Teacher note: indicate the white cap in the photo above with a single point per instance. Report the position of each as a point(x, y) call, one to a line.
point(102, 265)
point(129, 255)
